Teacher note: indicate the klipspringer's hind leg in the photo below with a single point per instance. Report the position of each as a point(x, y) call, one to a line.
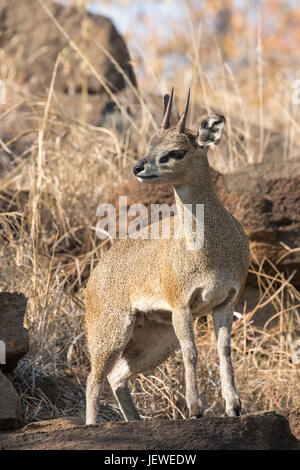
point(100, 369)
point(118, 378)
point(92, 397)
point(222, 319)
point(150, 344)
point(106, 344)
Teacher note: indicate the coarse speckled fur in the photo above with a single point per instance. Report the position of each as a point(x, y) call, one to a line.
point(142, 297)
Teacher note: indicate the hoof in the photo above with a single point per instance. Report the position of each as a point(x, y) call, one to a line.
point(235, 409)
point(196, 411)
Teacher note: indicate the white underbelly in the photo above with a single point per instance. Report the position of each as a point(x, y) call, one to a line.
point(157, 309)
point(154, 308)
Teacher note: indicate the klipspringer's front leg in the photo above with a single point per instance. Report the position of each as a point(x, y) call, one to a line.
point(183, 326)
point(222, 318)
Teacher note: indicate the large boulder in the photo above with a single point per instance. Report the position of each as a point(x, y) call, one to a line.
point(11, 412)
point(265, 197)
point(27, 32)
point(261, 431)
point(12, 332)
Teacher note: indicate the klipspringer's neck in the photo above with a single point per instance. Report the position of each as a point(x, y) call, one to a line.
point(198, 190)
point(194, 199)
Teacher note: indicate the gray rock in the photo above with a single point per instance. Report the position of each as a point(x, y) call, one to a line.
point(12, 332)
point(27, 30)
point(11, 412)
point(261, 431)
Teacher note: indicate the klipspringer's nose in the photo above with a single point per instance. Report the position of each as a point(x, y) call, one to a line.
point(138, 167)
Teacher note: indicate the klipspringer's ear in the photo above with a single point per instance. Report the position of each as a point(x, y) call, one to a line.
point(211, 130)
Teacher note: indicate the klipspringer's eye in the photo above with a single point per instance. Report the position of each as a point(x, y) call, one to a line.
point(177, 154)
point(164, 159)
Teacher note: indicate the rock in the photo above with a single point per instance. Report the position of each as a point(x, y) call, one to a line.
point(294, 421)
point(49, 425)
point(28, 32)
point(248, 300)
point(11, 412)
point(12, 332)
point(266, 206)
point(265, 198)
point(262, 431)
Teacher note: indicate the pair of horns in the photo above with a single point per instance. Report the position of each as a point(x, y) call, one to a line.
point(168, 106)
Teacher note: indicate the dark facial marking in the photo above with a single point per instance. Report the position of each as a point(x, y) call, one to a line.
point(176, 154)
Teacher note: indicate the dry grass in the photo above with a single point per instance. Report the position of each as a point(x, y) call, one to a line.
point(48, 244)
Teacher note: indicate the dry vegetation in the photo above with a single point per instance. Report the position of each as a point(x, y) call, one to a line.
point(48, 244)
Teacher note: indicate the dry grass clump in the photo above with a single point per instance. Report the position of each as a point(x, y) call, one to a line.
point(48, 246)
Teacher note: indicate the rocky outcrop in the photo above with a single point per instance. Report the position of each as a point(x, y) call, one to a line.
point(12, 333)
point(30, 41)
point(262, 431)
point(14, 344)
point(11, 412)
point(266, 200)
point(30, 34)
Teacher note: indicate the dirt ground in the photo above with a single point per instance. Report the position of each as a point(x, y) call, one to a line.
point(261, 431)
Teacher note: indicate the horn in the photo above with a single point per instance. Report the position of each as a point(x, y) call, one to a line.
point(168, 105)
point(166, 101)
point(181, 122)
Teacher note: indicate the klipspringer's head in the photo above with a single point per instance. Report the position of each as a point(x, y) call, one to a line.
point(174, 154)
